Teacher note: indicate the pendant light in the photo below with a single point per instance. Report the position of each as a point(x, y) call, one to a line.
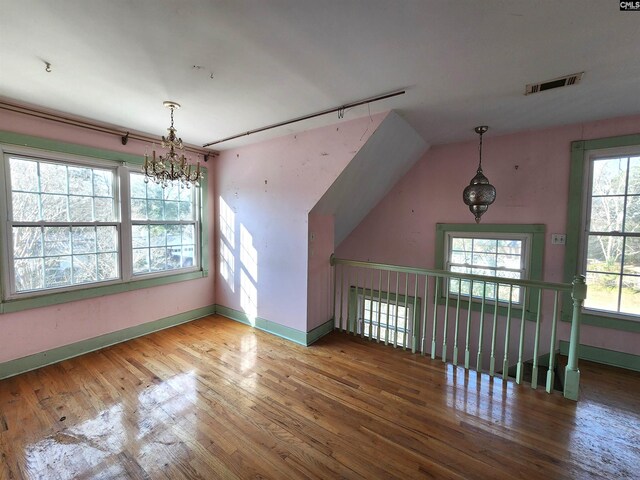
point(479, 194)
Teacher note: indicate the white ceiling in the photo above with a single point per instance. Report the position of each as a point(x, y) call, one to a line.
point(463, 63)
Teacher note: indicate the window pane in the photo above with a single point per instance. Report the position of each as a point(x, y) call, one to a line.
point(461, 257)
point(602, 291)
point(609, 176)
point(606, 214)
point(57, 241)
point(140, 260)
point(138, 209)
point(155, 209)
point(83, 240)
point(57, 271)
point(604, 253)
point(107, 266)
point(485, 245)
point(26, 207)
point(484, 260)
point(158, 259)
point(630, 300)
point(84, 268)
point(511, 247)
point(80, 181)
point(153, 190)
point(80, 209)
point(140, 235)
point(157, 235)
point(27, 242)
point(632, 256)
point(28, 274)
point(104, 210)
point(186, 211)
point(174, 234)
point(172, 192)
point(188, 234)
point(54, 208)
point(53, 178)
point(171, 210)
point(107, 239)
point(102, 183)
point(24, 175)
point(509, 261)
point(634, 176)
point(632, 219)
point(464, 244)
point(138, 187)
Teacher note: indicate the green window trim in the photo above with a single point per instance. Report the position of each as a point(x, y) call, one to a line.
point(579, 168)
point(56, 298)
point(536, 258)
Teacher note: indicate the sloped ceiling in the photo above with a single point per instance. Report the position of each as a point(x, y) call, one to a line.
point(385, 158)
point(239, 65)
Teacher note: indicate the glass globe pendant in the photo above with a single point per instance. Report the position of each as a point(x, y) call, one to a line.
point(479, 194)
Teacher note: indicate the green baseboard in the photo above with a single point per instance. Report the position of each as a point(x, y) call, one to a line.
point(37, 360)
point(604, 356)
point(288, 333)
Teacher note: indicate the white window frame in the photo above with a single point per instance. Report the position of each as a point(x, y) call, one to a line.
point(196, 235)
point(590, 157)
point(122, 220)
point(525, 262)
point(358, 296)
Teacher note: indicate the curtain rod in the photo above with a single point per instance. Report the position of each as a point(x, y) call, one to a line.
point(124, 136)
point(340, 109)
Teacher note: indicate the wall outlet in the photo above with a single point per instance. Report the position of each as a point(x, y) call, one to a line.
point(558, 239)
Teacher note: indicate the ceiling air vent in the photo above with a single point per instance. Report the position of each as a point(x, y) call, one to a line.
point(565, 81)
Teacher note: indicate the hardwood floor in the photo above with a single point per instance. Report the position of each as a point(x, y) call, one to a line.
point(216, 399)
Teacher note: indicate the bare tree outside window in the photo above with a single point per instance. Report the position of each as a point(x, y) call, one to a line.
point(63, 223)
point(612, 260)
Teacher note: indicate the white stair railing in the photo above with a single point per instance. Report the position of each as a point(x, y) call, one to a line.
point(429, 311)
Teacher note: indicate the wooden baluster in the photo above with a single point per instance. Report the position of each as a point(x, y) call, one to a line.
point(534, 370)
point(342, 325)
point(355, 322)
point(388, 308)
point(336, 318)
point(406, 316)
point(371, 308)
point(492, 359)
point(379, 304)
point(395, 326)
point(446, 320)
point(481, 327)
point(507, 336)
point(457, 327)
point(520, 366)
point(414, 337)
point(552, 349)
point(466, 348)
point(435, 319)
point(423, 340)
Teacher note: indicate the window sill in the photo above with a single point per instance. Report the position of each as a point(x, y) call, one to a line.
point(476, 306)
point(17, 305)
point(605, 321)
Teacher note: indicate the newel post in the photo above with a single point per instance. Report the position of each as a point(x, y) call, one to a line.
point(571, 373)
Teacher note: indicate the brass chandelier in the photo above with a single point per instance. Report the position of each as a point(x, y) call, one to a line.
point(172, 167)
point(479, 194)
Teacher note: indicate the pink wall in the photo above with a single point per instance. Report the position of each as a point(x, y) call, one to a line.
point(41, 329)
point(267, 191)
point(531, 173)
point(320, 277)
